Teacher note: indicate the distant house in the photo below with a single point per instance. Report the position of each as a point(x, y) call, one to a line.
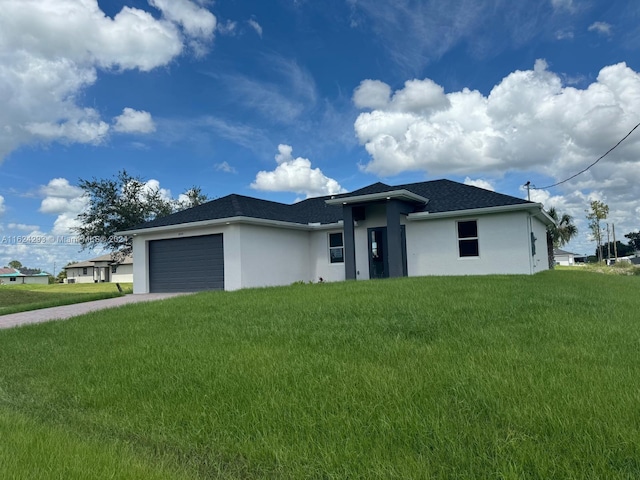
point(100, 269)
point(11, 276)
point(438, 227)
point(564, 258)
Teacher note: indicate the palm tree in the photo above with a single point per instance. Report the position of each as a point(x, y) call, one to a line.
point(563, 228)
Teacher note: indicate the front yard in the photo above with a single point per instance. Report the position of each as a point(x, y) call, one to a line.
point(502, 377)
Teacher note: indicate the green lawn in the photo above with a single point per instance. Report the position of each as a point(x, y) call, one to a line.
point(21, 298)
point(503, 377)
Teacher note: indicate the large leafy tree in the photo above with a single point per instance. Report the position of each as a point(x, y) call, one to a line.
point(563, 229)
point(599, 211)
point(119, 203)
point(634, 240)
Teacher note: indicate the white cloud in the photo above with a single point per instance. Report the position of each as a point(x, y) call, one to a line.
point(65, 201)
point(225, 167)
point(134, 121)
point(196, 21)
point(2, 206)
point(530, 121)
point(602, 28)
point(480, 183)
point(256, 26)
point(228, 28)
point(295, 175)
point(51, 50)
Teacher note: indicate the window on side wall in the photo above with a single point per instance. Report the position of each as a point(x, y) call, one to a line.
point(84, 271)
point(336, 248)
point(468, 238)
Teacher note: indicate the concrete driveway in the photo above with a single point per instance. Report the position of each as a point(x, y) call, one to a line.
point(67, 311)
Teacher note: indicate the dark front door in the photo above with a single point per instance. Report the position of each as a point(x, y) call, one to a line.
point(378, 261)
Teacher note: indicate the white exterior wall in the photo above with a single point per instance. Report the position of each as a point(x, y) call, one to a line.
point(320, 263)
point(503, 243)
point(124, 274)
point(37, 280)
point(273, 256)
point(78, 277)
point(541, 258)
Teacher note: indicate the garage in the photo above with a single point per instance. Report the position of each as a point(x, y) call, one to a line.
point(187, 264)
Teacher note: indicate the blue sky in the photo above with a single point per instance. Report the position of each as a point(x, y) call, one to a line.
point(293, 98)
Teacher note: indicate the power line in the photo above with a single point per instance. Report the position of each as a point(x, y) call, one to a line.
point(584, 170)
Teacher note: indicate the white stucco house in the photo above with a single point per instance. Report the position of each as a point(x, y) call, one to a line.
point(100, 269)
point(563, 257)
point(438, 227)
point(11, 276)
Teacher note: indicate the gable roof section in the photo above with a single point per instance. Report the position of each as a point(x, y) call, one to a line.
point(443, 195)
point(10, 272)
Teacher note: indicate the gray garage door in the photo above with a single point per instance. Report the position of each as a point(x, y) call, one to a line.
point(188, 264)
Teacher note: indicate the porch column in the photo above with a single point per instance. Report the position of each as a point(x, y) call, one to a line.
point(349, 243)
point(394, 238)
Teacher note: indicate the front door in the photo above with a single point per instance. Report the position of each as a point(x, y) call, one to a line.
point(378, 261)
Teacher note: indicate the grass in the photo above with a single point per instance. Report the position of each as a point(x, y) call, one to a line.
point(22, 298)
point(502, 377)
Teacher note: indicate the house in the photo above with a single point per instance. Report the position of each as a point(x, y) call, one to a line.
point(437, 227)
point(100, 269)
point(11, 276)
point(565, 258)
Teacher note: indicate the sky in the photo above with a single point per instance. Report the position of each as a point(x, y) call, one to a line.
point(286, 99)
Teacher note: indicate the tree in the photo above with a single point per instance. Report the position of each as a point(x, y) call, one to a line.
point(120, 203)
point(634, 240)
point(622, 249)
point(563, 229)
point(15, 264)
point(599, 211)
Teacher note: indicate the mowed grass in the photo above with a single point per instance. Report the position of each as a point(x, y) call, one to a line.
point(21, 298)
point(502, 377)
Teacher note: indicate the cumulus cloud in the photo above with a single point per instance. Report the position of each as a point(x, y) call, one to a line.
point(51, 51)
point(134, 121)
point(295, 175)
point(530, 121)
point(602, 28)
point(65, 201)
point(480, 183)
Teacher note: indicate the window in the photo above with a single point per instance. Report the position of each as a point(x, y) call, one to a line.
point(468, 238)
point(336, 248)
point(12, 279)
point(84, 271)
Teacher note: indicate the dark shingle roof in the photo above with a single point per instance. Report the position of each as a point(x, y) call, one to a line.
point(443, 195)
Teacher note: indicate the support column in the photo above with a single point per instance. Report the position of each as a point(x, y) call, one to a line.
point(394, 239)
point(349, 243)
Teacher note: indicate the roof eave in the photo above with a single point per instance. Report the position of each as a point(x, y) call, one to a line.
point(402, 194)
point(475, 211)
point(230, 221)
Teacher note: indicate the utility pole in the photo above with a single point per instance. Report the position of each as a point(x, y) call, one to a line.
point(615, 247)
point(608, 245)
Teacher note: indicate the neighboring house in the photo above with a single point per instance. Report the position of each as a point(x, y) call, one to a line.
point(439, 227)
point(564, 258)
point(100, 269)
point(11, 276)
